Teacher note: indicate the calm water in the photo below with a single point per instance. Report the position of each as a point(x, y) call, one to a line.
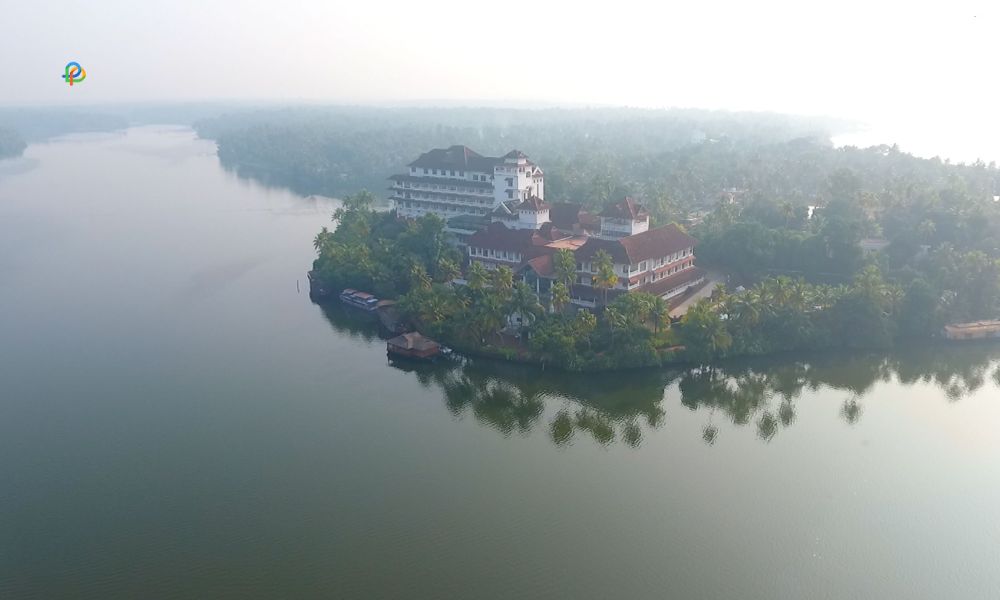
point(177, 420)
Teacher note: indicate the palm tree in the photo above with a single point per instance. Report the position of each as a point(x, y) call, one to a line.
point(584, 325)
point(605, 279)
point(488, 315)
point(477, 276)
point(419, 278)
point(503, 280)
point(565, 267)
point(615, 318)
point(660, 312)
point(322, 239)
point(433, 310)
point(560, 296)
point(447, 270)
point(524, 302)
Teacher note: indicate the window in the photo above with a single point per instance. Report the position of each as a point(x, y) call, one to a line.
point(643, 266)
point(510, 194)
point(510, 182)
point(452, 173)
point(461, 173)
point(425, 171)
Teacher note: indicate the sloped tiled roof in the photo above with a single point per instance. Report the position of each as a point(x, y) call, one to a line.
point(542, 265)
point(678, 279)
point(500, 237)
point(594, 245)
point(626, 209)
point(641, 246)
point(413, 341)
point(458, 157)
point(532, 203)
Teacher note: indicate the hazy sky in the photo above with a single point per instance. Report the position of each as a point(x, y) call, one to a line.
point(896, 63)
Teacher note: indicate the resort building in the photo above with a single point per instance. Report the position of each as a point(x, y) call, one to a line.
point(658, 261)
point(496, 209)
point(457, 181)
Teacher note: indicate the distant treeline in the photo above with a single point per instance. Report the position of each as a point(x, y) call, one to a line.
point(589, 155)
point(11, 144)
point(675, 161)
point(37, 124)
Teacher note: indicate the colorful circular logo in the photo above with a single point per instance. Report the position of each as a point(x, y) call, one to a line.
point(74, 73)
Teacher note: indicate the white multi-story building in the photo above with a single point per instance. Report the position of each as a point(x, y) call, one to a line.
point(458, 181)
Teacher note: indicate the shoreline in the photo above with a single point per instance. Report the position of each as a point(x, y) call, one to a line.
point(492, 354)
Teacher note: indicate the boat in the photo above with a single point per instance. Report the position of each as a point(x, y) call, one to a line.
point(415, 346)
point(979, 330)
point(362, 300)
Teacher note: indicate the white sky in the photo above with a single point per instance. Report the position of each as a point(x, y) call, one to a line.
point(898, 64)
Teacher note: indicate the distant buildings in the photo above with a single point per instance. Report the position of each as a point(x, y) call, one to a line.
point(496, 209)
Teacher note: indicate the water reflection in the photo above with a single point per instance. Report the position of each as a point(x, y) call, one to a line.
point(624, 407)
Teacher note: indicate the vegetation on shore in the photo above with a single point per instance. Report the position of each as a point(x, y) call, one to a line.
point(11, 144)
point(493, 314)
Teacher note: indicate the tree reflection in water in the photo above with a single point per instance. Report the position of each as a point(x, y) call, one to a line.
point(623, 406)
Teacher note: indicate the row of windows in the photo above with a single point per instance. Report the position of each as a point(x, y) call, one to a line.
point(416, 195)
point(587, 267)
point(450, 173)
point(435, 186)
point(497, 254)
point(427, 206)
point(666, 273)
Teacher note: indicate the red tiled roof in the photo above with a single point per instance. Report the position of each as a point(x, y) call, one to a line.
point(542, 265)
point(678, 279)
point(626, 209)
point(499, 237)
point(458, 157)
point(654, 243)
point(594, 245)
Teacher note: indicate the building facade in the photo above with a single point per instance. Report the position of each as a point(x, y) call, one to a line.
point(658, 261)
point(457, 181)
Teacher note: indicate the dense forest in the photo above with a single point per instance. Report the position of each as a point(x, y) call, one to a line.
point(11, 144)
point(588, 155)
point(495, 314)
point(676, 162)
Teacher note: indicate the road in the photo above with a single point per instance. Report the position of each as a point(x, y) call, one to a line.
point(712, 279)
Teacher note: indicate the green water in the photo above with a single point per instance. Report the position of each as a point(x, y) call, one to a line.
point(177, 420)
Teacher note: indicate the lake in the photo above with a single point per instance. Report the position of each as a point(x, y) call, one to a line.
point(178, 420)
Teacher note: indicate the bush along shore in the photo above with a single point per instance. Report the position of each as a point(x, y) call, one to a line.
point(495, 315)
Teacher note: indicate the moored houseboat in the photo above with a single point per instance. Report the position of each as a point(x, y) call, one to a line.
point(979, 330)
point(414, 346)
point(362, 300)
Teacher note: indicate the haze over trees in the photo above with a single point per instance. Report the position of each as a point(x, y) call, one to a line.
point(589, 155)
point(11, 144)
